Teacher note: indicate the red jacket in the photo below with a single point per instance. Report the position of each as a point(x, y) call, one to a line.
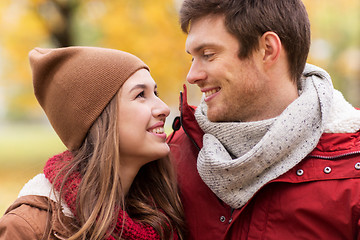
point(318, 199)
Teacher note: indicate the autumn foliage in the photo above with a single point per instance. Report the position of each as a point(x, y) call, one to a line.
point(150, 30)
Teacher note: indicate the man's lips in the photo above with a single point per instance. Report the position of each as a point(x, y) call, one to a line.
point(210, 92)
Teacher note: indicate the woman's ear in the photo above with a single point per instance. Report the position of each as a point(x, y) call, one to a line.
point(270, 45)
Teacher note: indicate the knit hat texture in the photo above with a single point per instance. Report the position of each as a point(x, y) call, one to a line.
point(74, 84)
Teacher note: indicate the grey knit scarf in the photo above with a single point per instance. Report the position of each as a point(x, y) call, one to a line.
point(238, 158)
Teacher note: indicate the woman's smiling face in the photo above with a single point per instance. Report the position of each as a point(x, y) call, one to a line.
point(142, 116)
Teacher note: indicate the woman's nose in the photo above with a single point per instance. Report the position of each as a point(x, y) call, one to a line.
point(161, 109)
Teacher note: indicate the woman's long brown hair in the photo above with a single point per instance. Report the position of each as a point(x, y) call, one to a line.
point(100, 193)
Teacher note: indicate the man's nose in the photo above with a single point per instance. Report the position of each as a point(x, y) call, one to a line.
point(196, 73)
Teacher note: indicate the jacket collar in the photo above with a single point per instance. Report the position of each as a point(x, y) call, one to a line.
point(335, 145)
point(41, 186)
point(45, 204)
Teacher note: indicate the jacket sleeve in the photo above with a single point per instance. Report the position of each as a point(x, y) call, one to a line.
point(16, 225)
point(358, 231)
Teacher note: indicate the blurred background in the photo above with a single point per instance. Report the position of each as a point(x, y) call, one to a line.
point(148, 29)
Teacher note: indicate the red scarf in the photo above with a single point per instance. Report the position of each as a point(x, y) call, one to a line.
point(131, 230)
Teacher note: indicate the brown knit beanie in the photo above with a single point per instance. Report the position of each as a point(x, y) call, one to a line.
point(73, 85)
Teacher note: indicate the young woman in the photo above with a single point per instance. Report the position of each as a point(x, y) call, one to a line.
point(115, 181)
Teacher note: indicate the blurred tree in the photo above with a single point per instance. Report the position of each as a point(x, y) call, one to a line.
point(148, 29)
point(335, 46)
point(57, 17)
point(20, 31)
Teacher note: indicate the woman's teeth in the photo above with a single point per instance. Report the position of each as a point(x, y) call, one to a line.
point(158, 130)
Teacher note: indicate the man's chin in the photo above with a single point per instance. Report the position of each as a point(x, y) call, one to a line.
point(215, 116)
point(220, 116)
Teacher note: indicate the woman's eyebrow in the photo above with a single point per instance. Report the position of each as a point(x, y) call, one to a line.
point(141, 86)
point(137, 86)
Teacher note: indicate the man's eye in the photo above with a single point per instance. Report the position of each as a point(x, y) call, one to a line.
point(141, 95)
point(209, 55)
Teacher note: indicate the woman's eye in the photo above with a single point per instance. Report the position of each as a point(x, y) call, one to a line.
point(141, 95)
point(156, 93)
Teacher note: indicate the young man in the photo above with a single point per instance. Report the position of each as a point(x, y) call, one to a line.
point(272, 151)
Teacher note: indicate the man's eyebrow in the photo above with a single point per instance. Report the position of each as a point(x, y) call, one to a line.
point(203, 45)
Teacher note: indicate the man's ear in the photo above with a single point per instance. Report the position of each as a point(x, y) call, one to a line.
point(270, 45)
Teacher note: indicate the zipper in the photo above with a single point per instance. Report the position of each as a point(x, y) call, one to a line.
point(231, 215)
point(334, 157)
